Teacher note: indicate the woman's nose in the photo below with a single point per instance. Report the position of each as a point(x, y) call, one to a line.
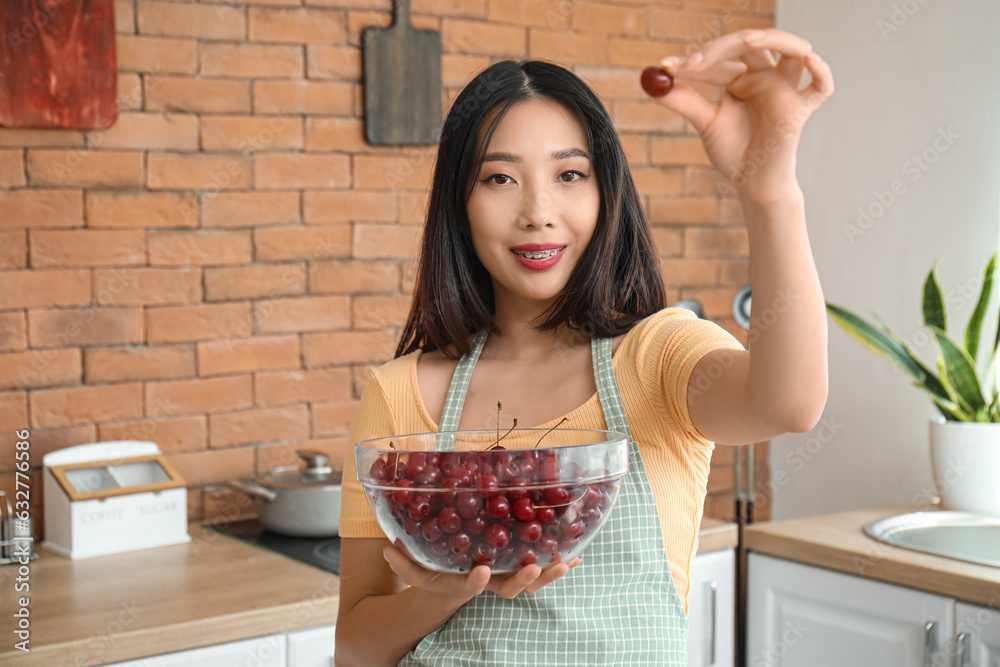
point(536, 208)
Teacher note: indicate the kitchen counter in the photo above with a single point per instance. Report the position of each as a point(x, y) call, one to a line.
point(212, 590)
point(716, 534)
point(838, 542)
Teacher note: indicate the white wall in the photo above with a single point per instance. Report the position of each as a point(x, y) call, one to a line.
point(897, 91)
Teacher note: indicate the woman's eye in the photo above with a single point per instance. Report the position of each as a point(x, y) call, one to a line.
point(496, 178)
point(570, 176)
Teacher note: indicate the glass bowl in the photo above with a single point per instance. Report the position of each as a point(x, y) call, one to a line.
point(480, 502)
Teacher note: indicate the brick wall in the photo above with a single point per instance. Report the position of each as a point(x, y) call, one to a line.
point(218, 271)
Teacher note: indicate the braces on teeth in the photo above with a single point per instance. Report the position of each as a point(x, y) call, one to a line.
point(538, 255)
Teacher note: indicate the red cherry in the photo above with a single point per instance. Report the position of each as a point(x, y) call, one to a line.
point(450, 520)
point(483, 554)
point(476, 525)
point(526, 555)
point(524, 509)
point(497, 507)
point(403, 497)
point(441, 547)
point(487, 484)
point(574, 531)
point(468, 504)
point(377, 471)
point(497, 536)
point(416, 465)
point(431, 531)
point(460, 543)
point(547, 545)
point(656, 82)
point(529, 531)
point(545, 514)
point(420, 507)
point(557, 495)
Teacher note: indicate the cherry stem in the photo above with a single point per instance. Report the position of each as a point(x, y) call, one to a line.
point(550, 431)
point(395, 468)
point(566, 504)
point(499, 407)
point(504, 436)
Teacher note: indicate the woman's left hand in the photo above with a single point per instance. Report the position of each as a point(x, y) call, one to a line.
point(751, 135)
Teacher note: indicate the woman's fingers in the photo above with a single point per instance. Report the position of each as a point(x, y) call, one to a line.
point(822, 77)
point(689, 104)
point(512, 585)
point(739, 44)
point(722, 74)
point(414, 575)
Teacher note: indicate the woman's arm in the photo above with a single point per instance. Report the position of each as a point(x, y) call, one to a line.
point(381, 619)
point(388, 603)
point(752, 135)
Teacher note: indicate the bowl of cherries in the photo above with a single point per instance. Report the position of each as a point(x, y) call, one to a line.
point(458, 499)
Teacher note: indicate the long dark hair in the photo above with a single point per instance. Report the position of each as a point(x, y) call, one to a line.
point(617, 281)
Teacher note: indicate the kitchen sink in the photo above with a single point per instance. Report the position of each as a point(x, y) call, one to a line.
point(964, 536)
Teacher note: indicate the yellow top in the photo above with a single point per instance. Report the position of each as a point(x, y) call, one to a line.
point(652, 366)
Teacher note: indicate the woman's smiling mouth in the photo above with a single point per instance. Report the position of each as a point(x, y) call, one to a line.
point(538, 254)
point(538, 257)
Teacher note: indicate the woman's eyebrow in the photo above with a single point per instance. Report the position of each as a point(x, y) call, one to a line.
point(557, 155)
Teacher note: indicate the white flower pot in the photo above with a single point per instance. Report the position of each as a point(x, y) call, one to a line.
point(965, 459)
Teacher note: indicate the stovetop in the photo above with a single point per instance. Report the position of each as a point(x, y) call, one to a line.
point(321, 552)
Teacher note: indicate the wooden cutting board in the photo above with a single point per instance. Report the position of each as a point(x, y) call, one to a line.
point(57, 64)
point(402, 82)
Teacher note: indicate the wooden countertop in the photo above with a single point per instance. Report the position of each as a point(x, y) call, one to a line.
point(838, 542)
point(716, 534)
point(214, 589)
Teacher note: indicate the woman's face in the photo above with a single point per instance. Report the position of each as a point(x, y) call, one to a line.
point(535, 202)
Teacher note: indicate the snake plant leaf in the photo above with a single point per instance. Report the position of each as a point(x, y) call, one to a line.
point(931, 383)
point(976, 321)
point(933, 306)
point(876, 341)
point(960, 372)
point(949, 410)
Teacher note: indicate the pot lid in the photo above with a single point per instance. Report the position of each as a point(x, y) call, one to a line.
point(315, 474)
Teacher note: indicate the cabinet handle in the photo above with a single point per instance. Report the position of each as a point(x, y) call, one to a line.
point(930, 643)
point(962, 655)
point(711, 588)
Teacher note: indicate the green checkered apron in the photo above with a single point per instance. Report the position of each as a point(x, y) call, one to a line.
point(618, 607)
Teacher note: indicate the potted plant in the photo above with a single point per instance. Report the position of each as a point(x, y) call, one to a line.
point(965, 438)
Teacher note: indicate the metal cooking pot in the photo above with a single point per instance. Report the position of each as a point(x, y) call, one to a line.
point(297, 502)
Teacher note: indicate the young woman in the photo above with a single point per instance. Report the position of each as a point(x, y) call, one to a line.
point(540, 282)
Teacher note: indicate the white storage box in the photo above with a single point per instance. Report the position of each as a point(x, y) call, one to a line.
point(110, 497)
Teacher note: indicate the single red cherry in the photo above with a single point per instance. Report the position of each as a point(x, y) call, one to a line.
point(459, 543)
point(524, 509)
point(420, 507)
point(497, 507)
point(432, 531)
point(529, 531)
point(656, 82)
point(476, 525)
point(449, 520)
point(497, 536)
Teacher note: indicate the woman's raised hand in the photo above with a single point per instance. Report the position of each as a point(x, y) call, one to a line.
point(528, 579)
point(751, 135)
